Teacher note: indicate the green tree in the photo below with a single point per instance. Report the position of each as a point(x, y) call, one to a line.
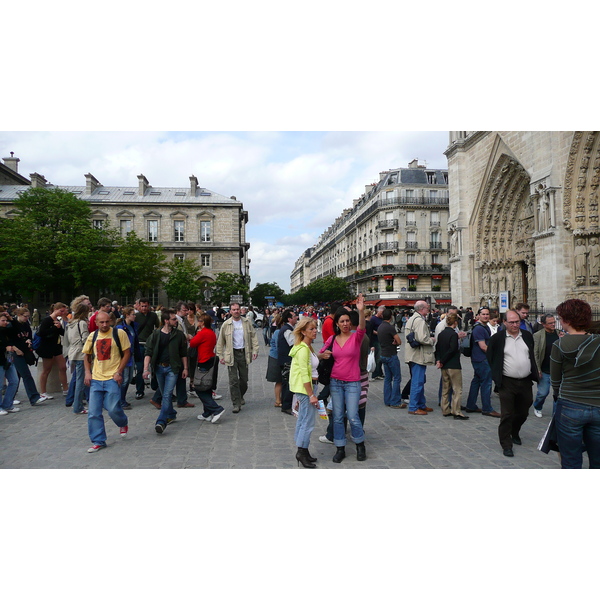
point(327, 289)
point(136, 264)
point(184, 280)
point(50, 244)
point(228, 284)
point(261, 290)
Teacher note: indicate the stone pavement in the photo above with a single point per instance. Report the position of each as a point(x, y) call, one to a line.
point(262, 437)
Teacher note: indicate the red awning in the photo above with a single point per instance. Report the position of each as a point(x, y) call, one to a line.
point(436, 276)
point(395, 302)
point(413, 277)
point(388, 277)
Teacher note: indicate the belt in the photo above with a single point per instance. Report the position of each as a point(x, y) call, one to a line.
point(238, 349)
point(315, 381)
point(165, 364)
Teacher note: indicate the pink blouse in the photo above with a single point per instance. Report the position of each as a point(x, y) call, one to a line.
point(346, 358)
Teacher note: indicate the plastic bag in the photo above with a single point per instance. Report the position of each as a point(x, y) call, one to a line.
point(371, 361)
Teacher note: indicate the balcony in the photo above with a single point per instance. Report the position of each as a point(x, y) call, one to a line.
point(388, 224)
point(387, 247)
point(435, 245)
point(434, 224)
point(412, 245)
point(411, 223)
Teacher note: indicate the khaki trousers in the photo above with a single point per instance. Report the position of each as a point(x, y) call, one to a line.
point(451, 378)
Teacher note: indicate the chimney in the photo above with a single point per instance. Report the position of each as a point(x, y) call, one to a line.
point(368, 188)
point(37, 180)
point(413, 164)
point(194, 185)
point(91, 183)
point(144, 185)
point(12, 163)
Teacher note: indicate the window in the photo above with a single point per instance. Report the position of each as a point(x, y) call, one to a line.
point(179, 257)
point(435, 259)
point(410, 217)
point(179, 227)
point(205, 260)
point(205, 231)
point(125, 225)
point(434, 218)
point(433, 194)
point(153, 297)
point(411, 258)
point(153, 231)
point(98, 223)
point(411, 236)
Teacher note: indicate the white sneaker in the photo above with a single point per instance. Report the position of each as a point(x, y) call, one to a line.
point(323, 438)
point(2, 412)
point(14, 409)
point(217, 417)
point(216, 396)
point(39, 401)
point(16, 402)
point(46, 396)
point(208, 419)
point(65, 392)
point(537, 413)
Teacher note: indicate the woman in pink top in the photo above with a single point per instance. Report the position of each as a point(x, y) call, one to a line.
point(345, 380)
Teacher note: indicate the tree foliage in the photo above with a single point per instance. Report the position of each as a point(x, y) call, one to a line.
point(261, 290)
point(51, 245)
point(327, 289)
point(184, 280)
point(229, 284)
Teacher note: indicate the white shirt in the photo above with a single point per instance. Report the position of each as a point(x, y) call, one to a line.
point(516, 357)
point(238, 334)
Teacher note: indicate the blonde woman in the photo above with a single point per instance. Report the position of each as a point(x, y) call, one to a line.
point(303, 383)
point(50, 350)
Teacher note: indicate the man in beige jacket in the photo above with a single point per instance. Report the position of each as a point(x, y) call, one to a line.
point(419, 357)
point(237, 347)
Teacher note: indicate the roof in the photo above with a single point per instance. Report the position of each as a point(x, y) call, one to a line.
point(8, 173)
point(129, 195)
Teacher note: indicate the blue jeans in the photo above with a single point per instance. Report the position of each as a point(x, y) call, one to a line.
point(543, 389)
point(8, 371)
point(166, 384)
point(417, 388)
point(345, 396)
point(78, 391)
point(482, 380)
point(28, 382)
point(127, 379)
point(307, 414)
point(104, 394)
point(576, 425)
point(391, 385)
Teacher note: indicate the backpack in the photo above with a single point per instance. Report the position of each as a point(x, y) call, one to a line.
point(466, 345)
point(36, 342)
point(115, 334)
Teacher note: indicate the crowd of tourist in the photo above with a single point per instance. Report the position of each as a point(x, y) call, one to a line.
point(176, 352)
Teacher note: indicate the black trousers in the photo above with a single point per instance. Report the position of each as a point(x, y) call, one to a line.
point(516, 396)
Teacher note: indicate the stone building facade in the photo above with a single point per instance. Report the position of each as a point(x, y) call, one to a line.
point(524, 216)
point(392, 245)
point(189, 222)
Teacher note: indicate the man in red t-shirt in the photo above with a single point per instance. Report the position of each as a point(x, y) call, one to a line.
point(104, 305)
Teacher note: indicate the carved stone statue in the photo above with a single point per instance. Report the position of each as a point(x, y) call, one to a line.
point(501, 280)
point(454, 243)
point(493, 283)
point(580, 260)
point(544, 219)
point(594, 260)
point(510, 283)
point(485, 282)
point(531, 280)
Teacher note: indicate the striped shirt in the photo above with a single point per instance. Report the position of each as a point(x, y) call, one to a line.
point(575, 368)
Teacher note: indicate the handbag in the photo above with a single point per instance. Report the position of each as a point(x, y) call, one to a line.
point(203, 380)
point(325, 367)
point(410, 338)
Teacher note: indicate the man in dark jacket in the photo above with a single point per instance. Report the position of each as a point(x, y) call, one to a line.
point(285, 341)
point(447, 354)
point(511, 357)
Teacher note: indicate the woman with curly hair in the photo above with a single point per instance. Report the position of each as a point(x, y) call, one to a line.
point(51, 330)
point(575, 377)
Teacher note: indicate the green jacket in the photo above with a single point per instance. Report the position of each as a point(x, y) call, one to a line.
point(177, 348)
point(301, 371)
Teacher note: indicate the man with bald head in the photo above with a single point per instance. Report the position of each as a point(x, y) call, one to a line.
point(511, 356)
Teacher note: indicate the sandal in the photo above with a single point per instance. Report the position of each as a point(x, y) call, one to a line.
point(277, 405)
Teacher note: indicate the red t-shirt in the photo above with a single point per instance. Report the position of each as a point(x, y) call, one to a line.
point(327, 329)
point(205, 340)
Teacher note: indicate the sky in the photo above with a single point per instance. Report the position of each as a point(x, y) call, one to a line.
point(293, 184)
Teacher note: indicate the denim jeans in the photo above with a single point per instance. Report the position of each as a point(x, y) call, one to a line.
point(391, 385)
point(28, 382)
point(78, 391)
point(206, 397)
point(127, 379)
point(307, 414)
point(543, 389)
point(166, 384)
point(417, 388)
point(12, 379)
point(482, 380)
point(576, 425)
point(345, 396)
point(104, 394)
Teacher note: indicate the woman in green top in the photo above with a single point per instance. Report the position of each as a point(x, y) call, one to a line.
point(303, 382)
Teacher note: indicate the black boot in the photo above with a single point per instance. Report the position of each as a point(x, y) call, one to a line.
point(311, 458)
point(340, 455)
point(361, 453)
point(301, 457)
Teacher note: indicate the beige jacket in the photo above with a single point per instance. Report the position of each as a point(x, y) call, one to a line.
point(424, 354)
point(224, 349)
